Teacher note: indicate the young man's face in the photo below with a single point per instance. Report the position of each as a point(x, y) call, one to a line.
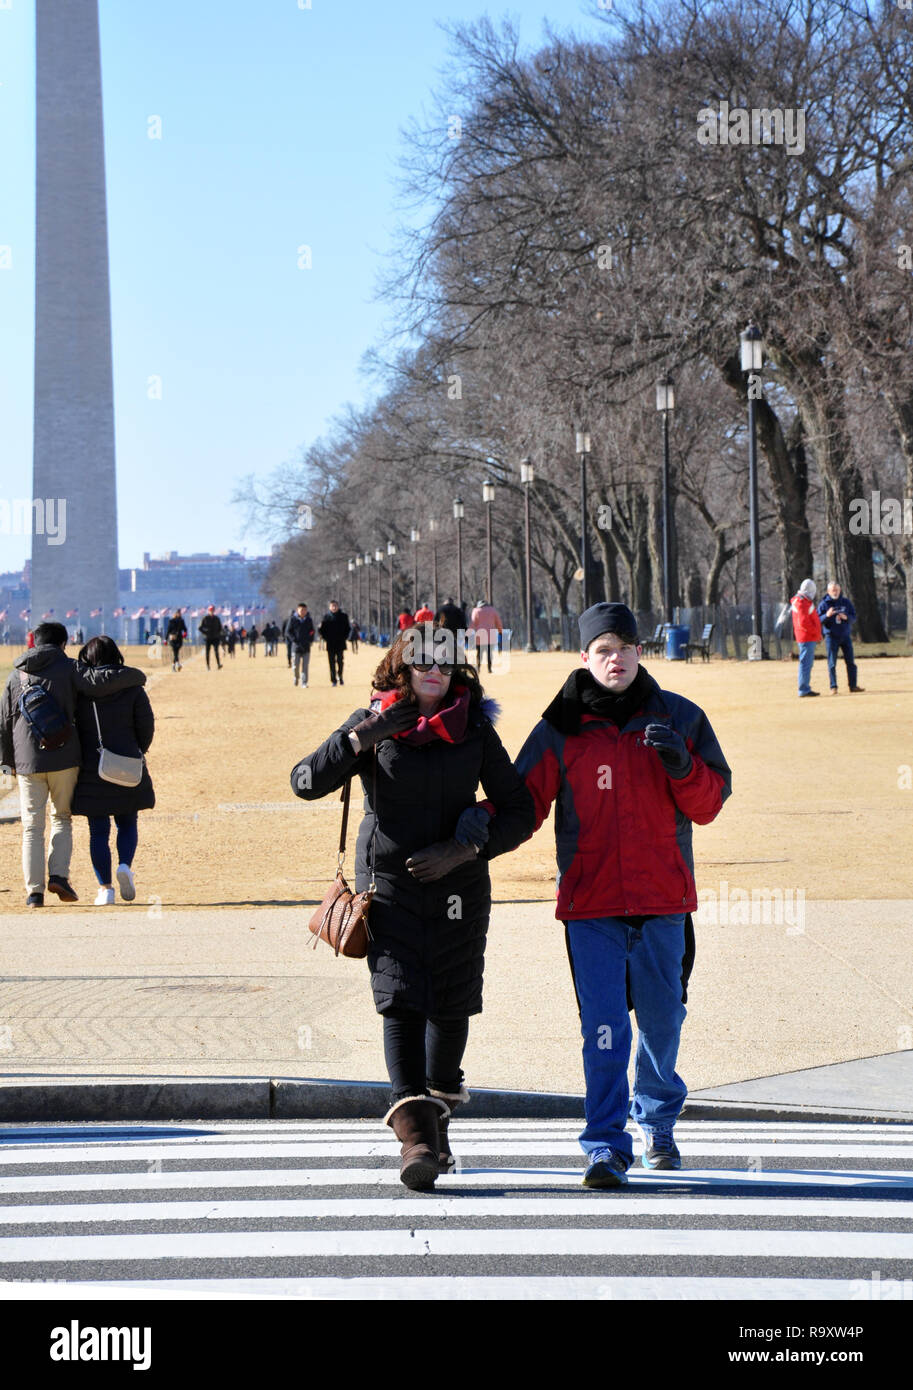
point(334, 607)
point(612, 661)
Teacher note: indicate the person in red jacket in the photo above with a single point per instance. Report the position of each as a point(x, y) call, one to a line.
point(629, 767)
point(807, 630)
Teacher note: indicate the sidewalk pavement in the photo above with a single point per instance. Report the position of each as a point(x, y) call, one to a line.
point(155, 1010)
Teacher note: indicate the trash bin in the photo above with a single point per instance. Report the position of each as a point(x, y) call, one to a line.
point(676, 641)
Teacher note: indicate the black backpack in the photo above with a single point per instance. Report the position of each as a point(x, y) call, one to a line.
point(47, 724)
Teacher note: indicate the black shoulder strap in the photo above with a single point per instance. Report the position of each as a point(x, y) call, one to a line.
point(346, 794)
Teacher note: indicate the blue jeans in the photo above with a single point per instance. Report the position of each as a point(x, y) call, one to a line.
point(99, 849)
point(840, 641)
point(806, 662)
point(603, 952)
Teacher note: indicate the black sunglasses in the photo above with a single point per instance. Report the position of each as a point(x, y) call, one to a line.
point(445, 668)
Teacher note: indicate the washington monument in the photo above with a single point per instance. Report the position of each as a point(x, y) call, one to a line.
point(74, 403)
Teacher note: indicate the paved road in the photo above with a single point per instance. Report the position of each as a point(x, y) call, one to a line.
point(315, 1210)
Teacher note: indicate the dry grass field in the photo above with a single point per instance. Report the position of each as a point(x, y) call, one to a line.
point(819, 797)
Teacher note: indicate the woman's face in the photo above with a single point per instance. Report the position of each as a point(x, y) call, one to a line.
point(430, 685)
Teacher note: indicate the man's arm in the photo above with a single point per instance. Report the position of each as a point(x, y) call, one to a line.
point(538, 765)
point(7, 754)
point(90, 680)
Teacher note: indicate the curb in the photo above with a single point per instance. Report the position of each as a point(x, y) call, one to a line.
point(285, 1098)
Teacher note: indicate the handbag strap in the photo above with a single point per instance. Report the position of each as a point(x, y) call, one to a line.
point(97, 725)
point(346, 792)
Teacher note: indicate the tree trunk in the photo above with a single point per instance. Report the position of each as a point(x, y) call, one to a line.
point(849, 556)
point(902, 410)
point(788, 475)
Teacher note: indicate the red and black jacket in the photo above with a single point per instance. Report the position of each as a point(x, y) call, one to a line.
point(622, 823)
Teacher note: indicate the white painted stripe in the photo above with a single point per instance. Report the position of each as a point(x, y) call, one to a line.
point(645, 1241)
point(320, 1148)
point(450, 1288)
point(282, 1130)
point(389, 1208)
point(215, 1178)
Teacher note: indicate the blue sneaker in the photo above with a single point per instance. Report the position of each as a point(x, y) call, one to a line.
point(606, 1168)
point(660, 1150)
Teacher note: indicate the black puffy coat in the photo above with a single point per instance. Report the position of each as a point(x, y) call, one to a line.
point(428, 946)
point(127, 727)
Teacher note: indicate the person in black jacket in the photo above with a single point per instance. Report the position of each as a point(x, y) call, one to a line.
point(50, 773)
point(301, 636)
point(253, 637)
point(122, 723)
point(334, 629)
point(429, 740)
point(211, 628)
point(175, 636)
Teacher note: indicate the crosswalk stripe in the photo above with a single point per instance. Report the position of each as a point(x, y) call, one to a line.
point(387, 1208)
point(451, 1288)
point(425, 1242)
point(382, 1148)
point(471, 1177)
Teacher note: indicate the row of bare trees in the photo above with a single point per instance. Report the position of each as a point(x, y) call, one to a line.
point(586, 237)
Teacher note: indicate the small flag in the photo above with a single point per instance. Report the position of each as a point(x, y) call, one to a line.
point(118, 613)
point(95, 612)
point(25, 613)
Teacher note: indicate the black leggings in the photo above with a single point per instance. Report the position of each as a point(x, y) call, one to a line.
point(423, 1053)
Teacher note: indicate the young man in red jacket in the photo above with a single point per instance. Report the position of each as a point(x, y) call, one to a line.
point(630, 767)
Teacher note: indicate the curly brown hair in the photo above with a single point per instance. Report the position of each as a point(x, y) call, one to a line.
point(394, 672)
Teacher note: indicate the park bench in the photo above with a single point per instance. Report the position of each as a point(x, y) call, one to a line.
point(703, 646)
point(653, 645)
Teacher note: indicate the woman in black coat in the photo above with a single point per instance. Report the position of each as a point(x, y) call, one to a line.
point(429, 741)
point(175, 634)
point(127, 725)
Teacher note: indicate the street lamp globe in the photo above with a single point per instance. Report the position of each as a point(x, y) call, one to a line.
point(752, 348)
point(458, 509)
point(488, 492)
point(665, 393)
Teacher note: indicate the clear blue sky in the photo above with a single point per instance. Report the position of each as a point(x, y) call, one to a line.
point(280, 127)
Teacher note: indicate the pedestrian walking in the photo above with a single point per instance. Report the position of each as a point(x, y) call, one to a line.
point(837, 616)
point(286, 638)
point(405, 620)
point(421, 751)
point(39, 744)
point(485, 622)
point(175, 635)
point(423, 613)
point(629, 767)
point(807, 631)
point(231, 641)
point(301, 636)
point(211, 628)
point(354, 635)
point(122, 723)
point(334, 629)
point(252, 638)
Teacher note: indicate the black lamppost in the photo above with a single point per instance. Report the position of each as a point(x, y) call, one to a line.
point(368, 599)
point(415, 536)
point(488, 496)
point(583, 449)
point(379, 560)
point(665, 401)
point(433, 527)
point(352, 584)
point(527, 475)
point(752, 356)
point(458, 510)
point(391, 551)
point(359, 607)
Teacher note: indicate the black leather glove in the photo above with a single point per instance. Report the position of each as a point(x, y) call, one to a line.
point(670, 748)
point(472, 827)
point(400, 716)
point(438, 860)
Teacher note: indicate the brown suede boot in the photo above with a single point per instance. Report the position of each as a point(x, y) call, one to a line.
point(451, 1100)
point(414, 1120)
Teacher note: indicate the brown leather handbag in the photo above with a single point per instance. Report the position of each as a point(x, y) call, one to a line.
point(341, 920)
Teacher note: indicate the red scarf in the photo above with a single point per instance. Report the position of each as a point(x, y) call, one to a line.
point(448, 723)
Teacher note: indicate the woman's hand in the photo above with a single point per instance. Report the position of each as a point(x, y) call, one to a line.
point(472, 827)
point(438, 860)
point(401, 715)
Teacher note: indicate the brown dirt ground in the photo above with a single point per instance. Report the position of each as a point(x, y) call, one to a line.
point(819, 800)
